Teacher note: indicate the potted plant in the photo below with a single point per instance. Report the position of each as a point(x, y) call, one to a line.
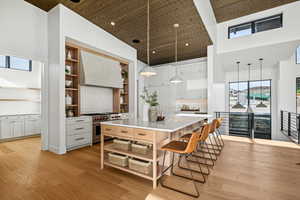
point(151, 100)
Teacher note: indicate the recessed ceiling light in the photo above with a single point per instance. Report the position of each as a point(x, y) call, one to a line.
point(136, 41)
point(154, 52)
point(176, 25)
point(187, 44)
point(75, 1)
point(112, 23)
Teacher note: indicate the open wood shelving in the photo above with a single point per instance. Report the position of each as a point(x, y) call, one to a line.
point(74, 76)
point(121, 96)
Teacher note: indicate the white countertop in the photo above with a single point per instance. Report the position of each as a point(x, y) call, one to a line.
point(170, 124)
point(193, 115)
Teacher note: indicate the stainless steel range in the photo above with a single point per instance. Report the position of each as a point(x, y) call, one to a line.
point(102, 117)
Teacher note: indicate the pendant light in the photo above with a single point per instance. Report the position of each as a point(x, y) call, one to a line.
point(238, 105)
point(176, 79)
point(261, 104)
point(249, 109)
point(147, 70)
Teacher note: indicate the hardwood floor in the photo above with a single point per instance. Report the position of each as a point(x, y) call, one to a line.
point(245, 170)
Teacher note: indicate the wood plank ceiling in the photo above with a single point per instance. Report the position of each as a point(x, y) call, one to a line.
point(130, 19)
point(230, 9)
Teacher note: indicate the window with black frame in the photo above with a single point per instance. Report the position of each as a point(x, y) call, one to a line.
point(251, 93)
point(12, 62)
point(298, 55)
point(256, 26)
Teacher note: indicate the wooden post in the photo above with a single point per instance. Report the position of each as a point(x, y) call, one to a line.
point(102, 150)
point(154, 161)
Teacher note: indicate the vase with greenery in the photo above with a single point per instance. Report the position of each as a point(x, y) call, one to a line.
point(151, 100)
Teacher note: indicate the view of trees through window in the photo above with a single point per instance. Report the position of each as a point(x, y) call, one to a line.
point(12, 62)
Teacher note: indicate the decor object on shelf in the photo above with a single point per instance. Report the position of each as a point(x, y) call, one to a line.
point(176, 79)
point(68, 69)
point(68, 83)
point(70, 113)
point(68, 100)
point(249, 108)
point(69, 55)
point(261, 104)
point(151, 100)
point(147, 70)
point(238, 105)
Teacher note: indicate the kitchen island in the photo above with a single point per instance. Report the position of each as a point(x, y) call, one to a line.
point(155, 134)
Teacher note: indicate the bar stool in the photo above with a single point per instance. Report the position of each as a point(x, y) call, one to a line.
point(201, 142)
point(218, 131)
point(184, 149)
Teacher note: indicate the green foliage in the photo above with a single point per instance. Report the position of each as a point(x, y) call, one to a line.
point(150, 98)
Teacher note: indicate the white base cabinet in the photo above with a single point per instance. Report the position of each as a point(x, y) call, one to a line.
point(19, 126)
point(79, 132)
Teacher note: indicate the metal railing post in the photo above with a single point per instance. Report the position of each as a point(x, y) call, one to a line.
point(289, 124)
point(252, 125)
point(298, 127)
point(281, 120)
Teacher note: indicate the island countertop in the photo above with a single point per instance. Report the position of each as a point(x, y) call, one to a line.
point(170, 124)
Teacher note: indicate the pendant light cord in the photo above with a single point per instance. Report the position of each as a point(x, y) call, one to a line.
point(238, 63)
point(148, 32)
point(261, 78)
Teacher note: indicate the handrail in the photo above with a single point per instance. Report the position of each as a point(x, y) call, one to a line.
point(290, 125)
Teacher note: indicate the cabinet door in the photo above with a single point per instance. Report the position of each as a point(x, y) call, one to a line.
point(32, 126)
point(6, 131)
point(17, 127)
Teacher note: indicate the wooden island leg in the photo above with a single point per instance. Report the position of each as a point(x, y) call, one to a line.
point(154, 161)
point(102, 151)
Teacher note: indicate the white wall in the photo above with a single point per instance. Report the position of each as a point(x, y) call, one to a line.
point(289, 32)
point(192, 92)
point(96, 99)
point(23, 30)
point(21, 80)
point(66, 25)
point(24, 34)
point(207, 15)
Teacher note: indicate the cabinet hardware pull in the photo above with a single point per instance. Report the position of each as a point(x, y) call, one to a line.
point(141, 134)
point(77, 139)
point(124, 131)
point(79, 120)
point(79, 128)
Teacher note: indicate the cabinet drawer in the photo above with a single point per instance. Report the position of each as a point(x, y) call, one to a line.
point(78, 120)
point(79, 128)
point(125, 132)
point(141, 134)
point(111, 130)
point(77, 140)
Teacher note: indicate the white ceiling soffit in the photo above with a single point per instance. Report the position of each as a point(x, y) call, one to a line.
point(100, 71)
point(272, 55)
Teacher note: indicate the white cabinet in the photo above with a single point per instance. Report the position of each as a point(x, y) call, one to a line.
point(12, 126)
point(32, 125)
point(79, 132)
point(19, 126)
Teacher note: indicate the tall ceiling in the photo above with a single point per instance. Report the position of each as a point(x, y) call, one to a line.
point(230, 9)
point(130, 17)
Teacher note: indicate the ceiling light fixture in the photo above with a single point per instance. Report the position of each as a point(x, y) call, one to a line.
point(261, 104)
point(112, 23)
point(176, 79)
point(238, 105)
point(147, 70)
point(187, 44)
point(154, 52)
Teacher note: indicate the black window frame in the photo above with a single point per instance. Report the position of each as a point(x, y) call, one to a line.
point(8, 65)
point(296, 56)
point(253, 24)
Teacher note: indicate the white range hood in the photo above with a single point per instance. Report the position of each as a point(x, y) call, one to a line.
point(100, 71)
